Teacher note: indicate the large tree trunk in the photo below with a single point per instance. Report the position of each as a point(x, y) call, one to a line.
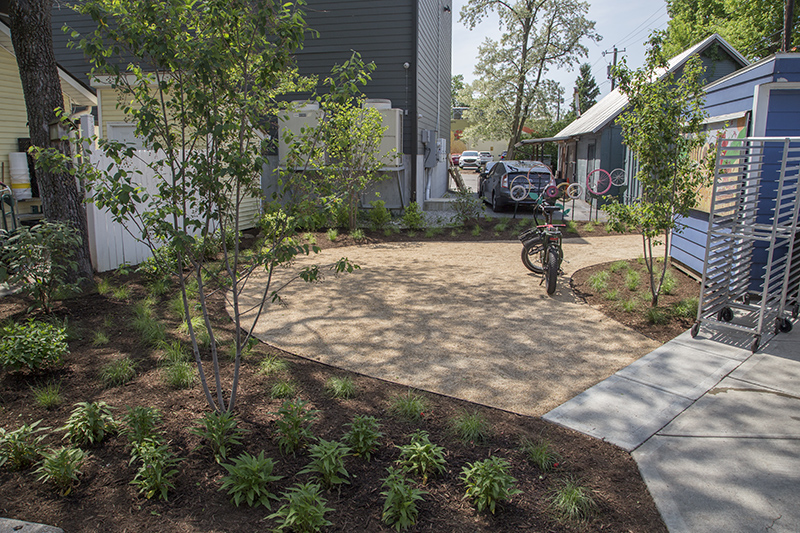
point(31, 34)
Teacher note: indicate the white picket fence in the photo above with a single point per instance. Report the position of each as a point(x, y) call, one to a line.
point(110, 243)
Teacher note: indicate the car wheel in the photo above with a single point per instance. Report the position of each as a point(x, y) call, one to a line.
point(495, 207)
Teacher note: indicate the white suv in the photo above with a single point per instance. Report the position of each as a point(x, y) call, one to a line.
point(470, 158)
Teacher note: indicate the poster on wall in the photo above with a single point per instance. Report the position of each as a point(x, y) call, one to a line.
point(724, 129)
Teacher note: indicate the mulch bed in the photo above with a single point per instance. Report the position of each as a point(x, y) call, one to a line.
point(104, 500)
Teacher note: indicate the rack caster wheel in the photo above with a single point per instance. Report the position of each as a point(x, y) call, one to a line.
point(756, 342)
point(725, 314)
point(782, 325)
point(795, 310)
point(746, 299)
point(695, 329)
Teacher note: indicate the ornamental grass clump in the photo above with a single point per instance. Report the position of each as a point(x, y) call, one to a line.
point(48, 395)
point(118, 372)
point(409, 406)
point(471, 427)
point(342, 388)
point(571, 501)
point(541, 454)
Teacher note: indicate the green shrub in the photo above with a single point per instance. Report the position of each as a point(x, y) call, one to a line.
point(294, 425)
point(343, 388)
point(379, 216)
point(400, 501)
point(571, 501)
point(248, 480)
point(33, 345)
point(118, 372)
point(333, 234)
point(488, 483)
point(327, 462)
point(283, 389)
point(541, 454)
point(413, 218)
point(476, 231)
point(220, 432)
point(158, 467)
point(89, 423)
point(599, 280)
point(421, 457)
point(48, 395)
point(140, 423)
point(61, 467)
point(471, 427)
point(409, 406)
point(20, 448)
point(304, 510)
point(358, 235)
point(363, 435)
point(467, 206)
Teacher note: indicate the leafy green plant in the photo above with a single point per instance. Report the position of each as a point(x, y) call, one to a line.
point(572, 226)
point(248, 480)
point(501, 226)
point(294, 425)
point(379, 216)
point(304, 510)
point(283, 389)
point(343, 388)
point(400, 501)
point(571, 501)
point(310, 239)
point(199, 327)
point(327, 462)
point(48, 395)
point(272, 364)
point(104, 286)
point(467, 206)
point(413, 217)
point(61, 467)
point(20, 448)
point(686, 308)
point(471, 427)
point(159, 287)
point(139, 423)
point(32, 344)
point(180, 375)
point(118, 372)
point(100, 338)
point(476, 231)
point(409, 406)
point(632, 280)
point(358, 234)
point(28, 260)
point(220, 432)
point(363, 435)
point(669, 283)
point(599, 280)
point(589, 227)
point(421, 457)
point(89, 423)
point(332, 234)
point(488, 483)
point(158, 466)
point(542, 454)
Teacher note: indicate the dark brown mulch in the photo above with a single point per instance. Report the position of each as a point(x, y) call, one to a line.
point(104, 500)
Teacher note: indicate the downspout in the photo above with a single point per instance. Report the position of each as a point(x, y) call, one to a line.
point(413, 110)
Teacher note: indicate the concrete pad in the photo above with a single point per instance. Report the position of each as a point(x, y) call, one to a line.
point(8, 525)
point(735, 408)
point(680, 369)
point(723, 485)
point(731, 345)
point(620, 411)
point(776, 368)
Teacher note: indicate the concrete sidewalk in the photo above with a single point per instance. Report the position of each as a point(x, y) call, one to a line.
point(715, 430)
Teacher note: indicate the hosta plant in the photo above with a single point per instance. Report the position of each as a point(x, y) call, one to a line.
point(61, 467)
point(327, 462)
point(363, 435)
point(20, 448)
point(220, 432)
point(89, 423)
point(32, 344)
point(421, 457)
point(158, 465)
point(400, 501)
point(248, 480)
point(488, 483)
point(304, 509)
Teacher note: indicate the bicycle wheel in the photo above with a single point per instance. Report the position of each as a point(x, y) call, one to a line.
point(532, 255)
point(618, 177)
point(574, 191)
point(519, 188)
point(598, 182)
point(551, 270)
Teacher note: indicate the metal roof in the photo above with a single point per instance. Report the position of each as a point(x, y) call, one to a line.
point(610, 106)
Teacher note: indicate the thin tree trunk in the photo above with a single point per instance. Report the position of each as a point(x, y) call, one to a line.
point(31, 34)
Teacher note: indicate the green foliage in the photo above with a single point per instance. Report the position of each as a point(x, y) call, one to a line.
point(589, 227)
point(379, 216)
point(89, 423)
point(173, 352)
point(421, 457)
point(572, 226)
point(61, 467)
point(571, 501)
point(104, 286)
point(28, 260)
point(656, 316)
point(272, 364)
point(471, 427)
point(294, 425)
point(327, 462)
point(100, 338)
point(118, 372)
point(400, 501)
point(612, 295)
point(413, 217)
point(32, 344)
point(151, 332)
point(139, 423)
point(632, 280)
point(488, 483)
point(342, 388)
point(599, 280)
point(358, 235)
point(332, 234)
point(542, 454)
point(48, 395)
point(180, 375)
point(686, 308)
point(158, 466)
point(248, 480)
point(467, 207)
point(669, 283)
point(122, 292)
point(304, 510)
point(618, 266)
point(476, 231)
point(630, 305)
point(20, 448)
point(363, 435)
point(220, 432)
point(409, 406)
point(283, 389)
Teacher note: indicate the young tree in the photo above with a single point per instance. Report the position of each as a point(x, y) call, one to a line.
point(538, 35)
point(204, 74)
point(456, 86)
point(662, 126)
point(32, 37)
point(587, 89)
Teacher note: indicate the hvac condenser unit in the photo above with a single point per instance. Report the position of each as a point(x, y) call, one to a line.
point(393, 136)
point(303, 115)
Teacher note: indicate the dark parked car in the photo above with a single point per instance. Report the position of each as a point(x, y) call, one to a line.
point(500, 178)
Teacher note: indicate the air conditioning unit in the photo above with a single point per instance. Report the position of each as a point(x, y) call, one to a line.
point(393, 136)
point(302, 115)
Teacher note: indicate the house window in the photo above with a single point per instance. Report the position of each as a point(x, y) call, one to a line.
point(125, 133)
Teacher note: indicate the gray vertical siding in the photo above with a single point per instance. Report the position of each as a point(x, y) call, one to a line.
point(433, 60)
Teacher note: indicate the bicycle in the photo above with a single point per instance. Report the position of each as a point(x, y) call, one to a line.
point(542, 245)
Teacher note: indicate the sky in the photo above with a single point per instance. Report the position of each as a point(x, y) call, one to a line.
point(617, 22)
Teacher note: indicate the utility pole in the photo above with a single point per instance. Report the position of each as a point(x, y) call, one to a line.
point(614, 50)
point(788, 16)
